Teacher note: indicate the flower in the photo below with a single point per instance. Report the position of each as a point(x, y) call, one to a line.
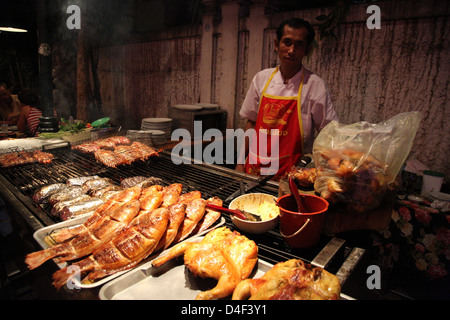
point(419, 248)
point(443, 235)
point(404, 213)
point(422, 215)
point(436, 271)
point(406, 229)
point(429, 241)
point(421, 264)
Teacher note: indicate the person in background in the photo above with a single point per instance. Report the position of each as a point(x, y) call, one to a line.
point(6, 107)
point(13, 116)
point(288, 101)
point(30, 113)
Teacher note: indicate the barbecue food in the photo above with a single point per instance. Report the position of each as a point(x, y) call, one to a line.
point(290, 280)
point(111, 142)
point(176, 217)
point(92, 238)
point(23, 157)
point(110, 158)
point(222, 254)
point(143, 181)
point(43, 157)
point(78, 181)
point(304, 177)
point(195, 210)
point(209, 217)
point(41, 195)
point(351, 177)
point(79, 208)
point(66, 194)
point(102, 190)
point(171, 194)
point(58, 207)
point(89, 186)
point(151, 198)
point(110, 205)
point(126, 250)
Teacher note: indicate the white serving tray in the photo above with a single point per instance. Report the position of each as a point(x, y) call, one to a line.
point(42, 233)
point(171, 281)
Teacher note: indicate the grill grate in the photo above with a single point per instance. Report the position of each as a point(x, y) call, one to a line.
point(210, 180)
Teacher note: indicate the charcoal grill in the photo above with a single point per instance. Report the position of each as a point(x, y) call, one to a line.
point(212, 180)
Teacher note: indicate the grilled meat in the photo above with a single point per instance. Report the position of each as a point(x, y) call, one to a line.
point(290, 280)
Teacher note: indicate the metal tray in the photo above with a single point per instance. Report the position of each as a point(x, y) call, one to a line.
point(42, 233)
point(171, 281)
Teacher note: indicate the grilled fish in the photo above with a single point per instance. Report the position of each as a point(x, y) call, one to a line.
point(111, 204)
point(65, 194)
point(41, 195)
point(93, 238)
point(126, 250)
point(142, 181)
point(56, 209)
point(95, 184)
point(79, 208)
point(195, 211)
point(78, 181)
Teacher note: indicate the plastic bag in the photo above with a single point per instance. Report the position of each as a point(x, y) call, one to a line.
point(356, 163)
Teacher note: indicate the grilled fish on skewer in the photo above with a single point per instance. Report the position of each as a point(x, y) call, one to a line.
point(123, 252)
point(114, 202)
point(88, 241)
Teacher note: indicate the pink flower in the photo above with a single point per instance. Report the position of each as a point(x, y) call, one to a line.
point(422, 216)
point(419, 248)
point(436, 271)
point(443, 235)
point(404, 213)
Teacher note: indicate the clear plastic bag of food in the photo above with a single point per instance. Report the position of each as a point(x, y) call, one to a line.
point(356, 163)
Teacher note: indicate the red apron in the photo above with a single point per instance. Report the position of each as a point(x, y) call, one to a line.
point(278, 127)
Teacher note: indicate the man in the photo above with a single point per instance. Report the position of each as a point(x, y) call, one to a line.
point(284, 105)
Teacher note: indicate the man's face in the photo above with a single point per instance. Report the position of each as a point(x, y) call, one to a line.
point(292, 47)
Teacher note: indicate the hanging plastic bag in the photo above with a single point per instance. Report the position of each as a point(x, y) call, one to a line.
point(356, 163)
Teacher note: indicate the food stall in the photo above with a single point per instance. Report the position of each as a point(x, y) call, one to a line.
point(346, 253)
point(21, 182)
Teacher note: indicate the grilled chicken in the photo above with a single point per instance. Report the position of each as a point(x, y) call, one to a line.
point(222, 254)
point(290, 280)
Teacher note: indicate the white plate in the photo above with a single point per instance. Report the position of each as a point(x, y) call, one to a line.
point(156, 120)
point(440, 195)
point(210, 106)
point(189, 107)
